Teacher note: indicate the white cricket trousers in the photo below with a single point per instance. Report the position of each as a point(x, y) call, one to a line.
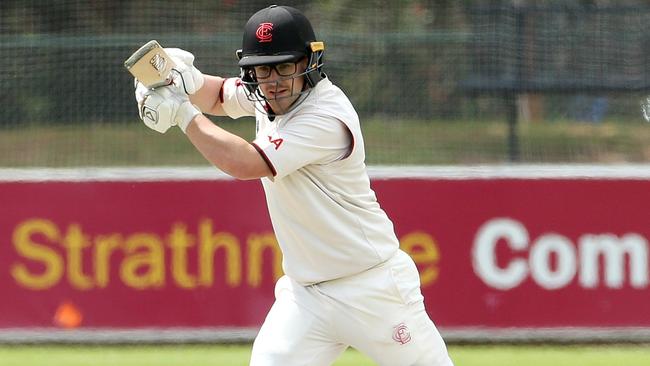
point(380, 312)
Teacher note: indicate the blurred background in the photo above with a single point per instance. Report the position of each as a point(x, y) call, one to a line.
point(435, 82)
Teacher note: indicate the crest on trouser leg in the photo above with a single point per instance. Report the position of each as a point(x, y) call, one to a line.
point(401, 334)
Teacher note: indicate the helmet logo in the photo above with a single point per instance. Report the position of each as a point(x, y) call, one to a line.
point(263, 32)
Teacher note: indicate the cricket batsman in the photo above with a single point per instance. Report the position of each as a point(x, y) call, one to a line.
point(346, 282)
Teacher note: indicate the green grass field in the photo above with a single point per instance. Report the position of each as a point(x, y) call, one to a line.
point(238, 355)
point(387, 142)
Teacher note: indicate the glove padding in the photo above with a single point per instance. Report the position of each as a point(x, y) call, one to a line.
point(140, 92)
point(169, 106)
point(162, 108)
point(184, 75)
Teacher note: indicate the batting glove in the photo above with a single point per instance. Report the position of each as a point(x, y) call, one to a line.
point(185, 75)
point(163, 108)
point(140, 92)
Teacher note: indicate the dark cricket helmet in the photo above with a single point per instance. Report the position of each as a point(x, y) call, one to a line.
point(279, 34)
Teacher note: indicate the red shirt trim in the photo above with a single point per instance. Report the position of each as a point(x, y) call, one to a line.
point(221, 91)
point(266, 158)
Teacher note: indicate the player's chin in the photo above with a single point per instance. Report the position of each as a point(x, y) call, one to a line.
point(281, 105)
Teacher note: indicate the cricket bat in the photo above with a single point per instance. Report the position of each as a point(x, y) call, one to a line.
point(151, 65)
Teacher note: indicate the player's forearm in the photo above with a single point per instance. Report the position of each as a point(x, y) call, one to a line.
point(207, 98)
point(228, 152)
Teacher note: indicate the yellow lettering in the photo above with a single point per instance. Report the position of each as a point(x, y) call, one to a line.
point(104, 247)
point(75, 242)
point(88, 261)
point(257, 244)
point(209, 244)
point(53, 263)
point(424, 251)
point(179, 241)
point(146, 269)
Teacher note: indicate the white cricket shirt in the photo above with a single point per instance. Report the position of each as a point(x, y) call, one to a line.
point(325, 215)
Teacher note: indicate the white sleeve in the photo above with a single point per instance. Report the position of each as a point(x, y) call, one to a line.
point(303, 141)
point(234, 100)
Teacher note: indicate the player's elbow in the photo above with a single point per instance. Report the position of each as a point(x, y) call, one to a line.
point(242, 173)
point(246, 169)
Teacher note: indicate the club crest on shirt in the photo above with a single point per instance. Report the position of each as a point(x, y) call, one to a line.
point(401, 334)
